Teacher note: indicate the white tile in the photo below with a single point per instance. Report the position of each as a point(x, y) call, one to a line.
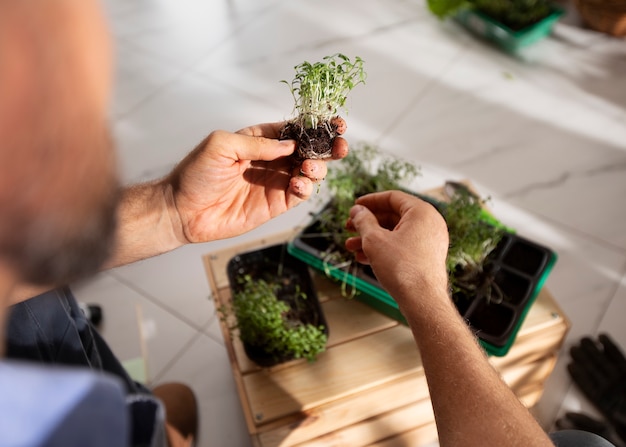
point(311, 28)
point(167, 127)
point(552, 151)
point(119, 327)
point(402, 54)
point(204, 366)
point(613, 321)
point(123, 308)
point(138, 76)
point(176, 281)
point(183, 32)
point(115, 10)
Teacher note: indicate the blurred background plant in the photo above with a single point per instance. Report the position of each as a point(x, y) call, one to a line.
point(515, 14)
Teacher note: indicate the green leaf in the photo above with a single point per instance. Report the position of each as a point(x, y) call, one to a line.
point(445, 8)
point(321, 89)
point(262, 320)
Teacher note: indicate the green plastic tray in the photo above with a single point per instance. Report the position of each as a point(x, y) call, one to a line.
point(503, 36)
point(370, 292)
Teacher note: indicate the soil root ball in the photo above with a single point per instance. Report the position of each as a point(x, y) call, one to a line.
point(314, 143)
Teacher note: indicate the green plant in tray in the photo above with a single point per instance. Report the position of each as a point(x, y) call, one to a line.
point(515, 14)
point(319, 90)
point(474, 234)
point(365, 170)
point(271, 324)
point(471, 242)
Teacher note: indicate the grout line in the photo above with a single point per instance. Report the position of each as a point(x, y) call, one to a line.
point(609, 301)
point(434, 80)
point(184, 69)
point(176, 357)
point(157, 302)
point(212, 336)
point(597, 240)
point(182, 351)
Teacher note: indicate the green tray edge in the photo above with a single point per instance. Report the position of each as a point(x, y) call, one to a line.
point(384, 303)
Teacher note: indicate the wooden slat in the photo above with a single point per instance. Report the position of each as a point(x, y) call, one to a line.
point(379, 427)
point(426, 434)
point(345, 412)
point(419, 413)
point(340, 371)
point(356, 408)
point(350, 319)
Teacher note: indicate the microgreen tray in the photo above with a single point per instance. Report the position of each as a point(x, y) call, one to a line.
point(520, 267)
point(510, 40)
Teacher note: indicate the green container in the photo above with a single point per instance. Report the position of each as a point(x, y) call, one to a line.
point(520, 266)
point(484, 26)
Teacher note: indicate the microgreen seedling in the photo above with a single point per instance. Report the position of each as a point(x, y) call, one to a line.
point(264, 321)
point(319, 90)
point(471, 242)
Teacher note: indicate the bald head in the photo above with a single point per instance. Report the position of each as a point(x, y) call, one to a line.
point(57, 188)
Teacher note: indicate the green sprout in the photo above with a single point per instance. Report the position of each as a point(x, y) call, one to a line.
point(320, 89)
point(264, 321)
point(516, 14)
point(364, 170)
point(472, 239)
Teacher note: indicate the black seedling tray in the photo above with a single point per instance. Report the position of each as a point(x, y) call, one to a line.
point(272, 263)
point(520, 266)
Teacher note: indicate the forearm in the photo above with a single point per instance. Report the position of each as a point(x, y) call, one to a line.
point(148, 224)
point(472, 405)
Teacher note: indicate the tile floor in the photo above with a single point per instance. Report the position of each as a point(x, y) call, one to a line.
point(543, 133)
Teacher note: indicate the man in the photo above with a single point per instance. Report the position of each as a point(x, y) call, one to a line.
point(59, 204)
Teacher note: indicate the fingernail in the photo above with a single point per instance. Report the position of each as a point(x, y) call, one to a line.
point(356, 209)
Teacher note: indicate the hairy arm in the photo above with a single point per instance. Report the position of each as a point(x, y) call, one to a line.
point(228, 185)
point(473, 406)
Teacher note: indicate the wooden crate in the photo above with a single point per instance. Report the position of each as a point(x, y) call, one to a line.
point(369, 387)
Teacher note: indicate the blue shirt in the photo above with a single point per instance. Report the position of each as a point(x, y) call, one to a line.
point(67, 407)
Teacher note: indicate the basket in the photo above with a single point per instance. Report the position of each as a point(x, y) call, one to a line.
point(607, 16)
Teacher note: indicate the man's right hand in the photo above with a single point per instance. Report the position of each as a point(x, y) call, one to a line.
point(404, 239)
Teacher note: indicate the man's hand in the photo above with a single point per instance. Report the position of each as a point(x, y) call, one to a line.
point(229, 184)
point(403, 238)
point(234, 182)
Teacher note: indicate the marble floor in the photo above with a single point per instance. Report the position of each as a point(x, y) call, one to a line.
point(543, 133)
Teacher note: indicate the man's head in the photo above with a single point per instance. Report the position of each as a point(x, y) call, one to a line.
point(57, 168)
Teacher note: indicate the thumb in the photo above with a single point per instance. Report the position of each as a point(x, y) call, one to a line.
point(260, 148)
point(363, 219)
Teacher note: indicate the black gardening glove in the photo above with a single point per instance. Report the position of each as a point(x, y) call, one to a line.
point(599, 370)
